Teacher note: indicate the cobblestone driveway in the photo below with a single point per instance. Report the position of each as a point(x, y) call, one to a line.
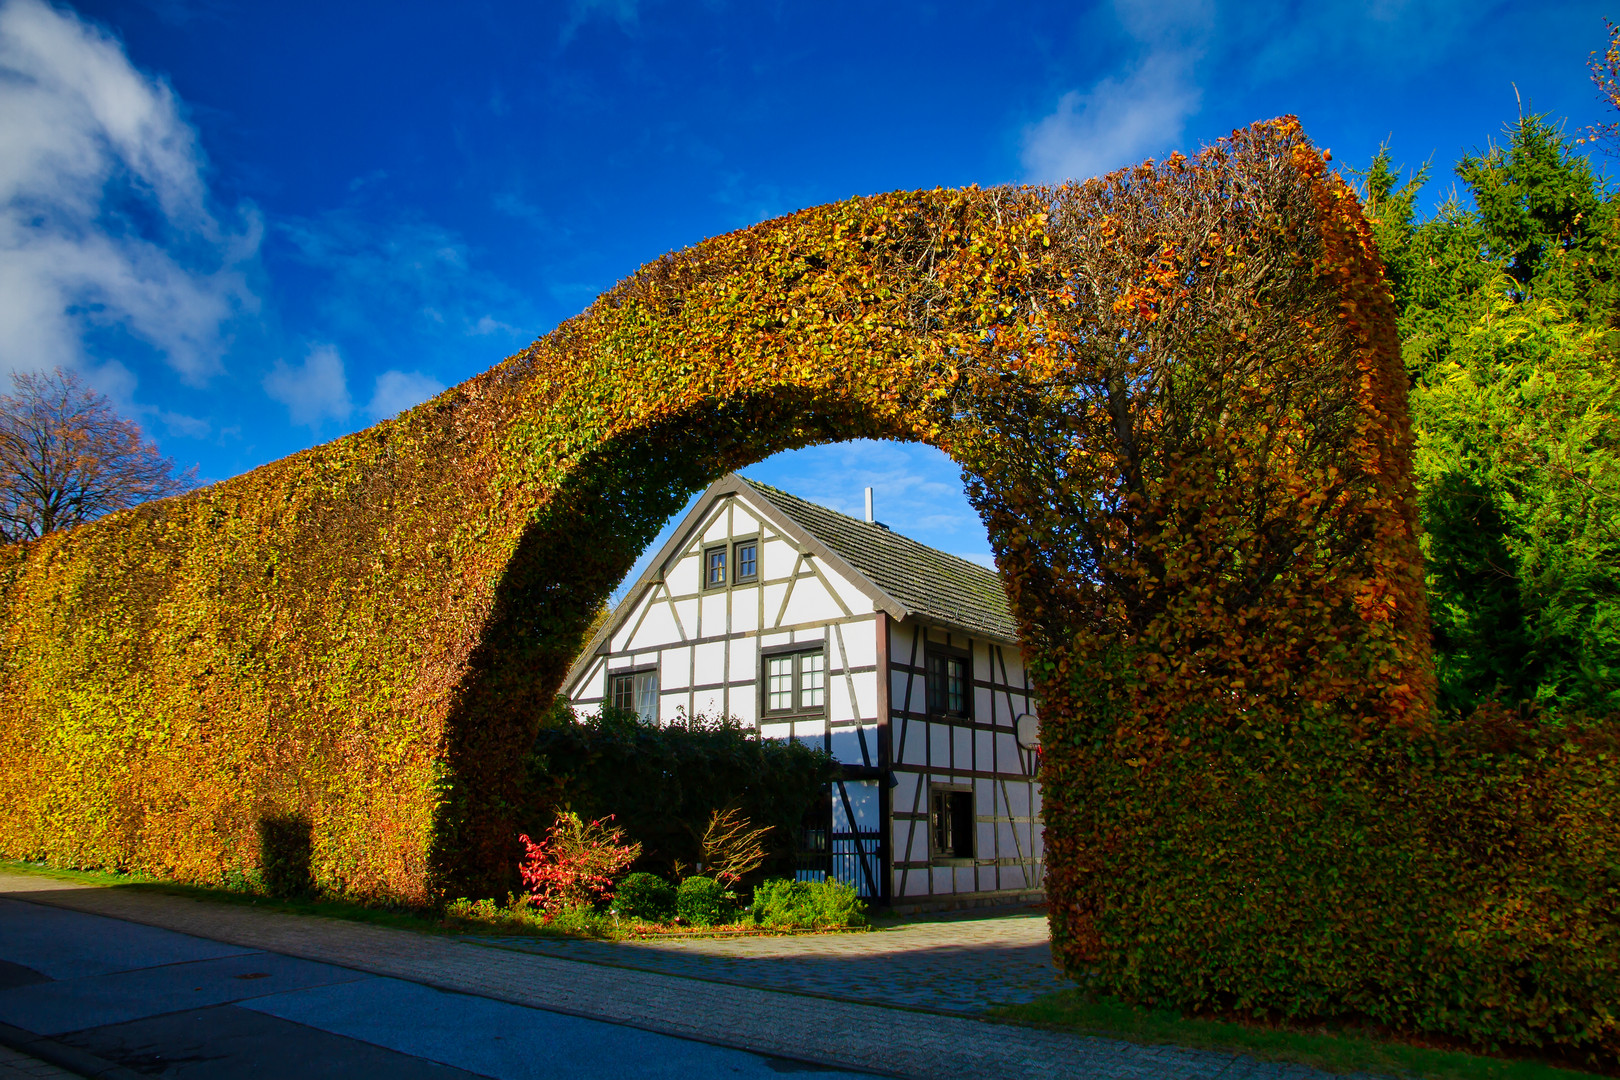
point(961, 965)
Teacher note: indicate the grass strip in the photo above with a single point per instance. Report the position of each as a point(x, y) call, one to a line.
point(1340, 1048)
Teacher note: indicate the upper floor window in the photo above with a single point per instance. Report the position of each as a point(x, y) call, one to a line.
point(796, 682)
point(714, 568)
point(745, 561)
point(949, 684)
point(637, 692)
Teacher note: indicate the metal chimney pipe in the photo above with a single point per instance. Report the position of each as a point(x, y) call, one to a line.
point(869, 517)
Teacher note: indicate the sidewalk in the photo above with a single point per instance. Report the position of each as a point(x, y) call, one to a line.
point(839, 1034)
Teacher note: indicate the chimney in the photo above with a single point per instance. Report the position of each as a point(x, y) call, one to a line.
point(869, 517)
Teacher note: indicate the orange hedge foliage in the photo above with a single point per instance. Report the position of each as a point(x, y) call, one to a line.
point(1177, 397)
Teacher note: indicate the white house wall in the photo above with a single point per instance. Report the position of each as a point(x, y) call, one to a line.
point(981, 753)
point(705, 643)
point(706, 647)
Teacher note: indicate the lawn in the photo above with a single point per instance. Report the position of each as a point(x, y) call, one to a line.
point(1342, 1048)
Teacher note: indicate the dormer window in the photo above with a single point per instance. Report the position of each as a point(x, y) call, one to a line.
point(714, 568)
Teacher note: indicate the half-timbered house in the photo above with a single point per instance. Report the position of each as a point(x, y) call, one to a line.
point(900, 660)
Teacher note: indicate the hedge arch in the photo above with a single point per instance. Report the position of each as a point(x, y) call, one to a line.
point(1178, 401)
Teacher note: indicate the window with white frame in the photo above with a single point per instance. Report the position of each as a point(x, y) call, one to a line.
point(795, 682)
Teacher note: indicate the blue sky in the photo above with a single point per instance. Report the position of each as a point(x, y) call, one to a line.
point(262, 226)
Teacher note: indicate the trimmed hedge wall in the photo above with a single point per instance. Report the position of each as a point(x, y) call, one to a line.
point(1178, 400)
point(661, 784)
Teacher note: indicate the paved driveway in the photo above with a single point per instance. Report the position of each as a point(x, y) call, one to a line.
point(960, 965)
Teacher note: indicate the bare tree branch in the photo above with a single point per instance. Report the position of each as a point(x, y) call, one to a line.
point(66, 456)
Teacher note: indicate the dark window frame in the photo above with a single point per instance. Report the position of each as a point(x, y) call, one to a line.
point(704, 567)
point(961, 823)
point(737, 576)
point(794, 712)
point(947, 653)
point(630, 674)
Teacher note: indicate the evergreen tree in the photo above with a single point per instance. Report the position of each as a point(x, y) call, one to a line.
point(1507, 312)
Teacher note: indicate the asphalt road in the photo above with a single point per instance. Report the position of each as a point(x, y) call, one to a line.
point(160, 1003)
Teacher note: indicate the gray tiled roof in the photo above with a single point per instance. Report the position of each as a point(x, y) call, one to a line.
point(931, 583)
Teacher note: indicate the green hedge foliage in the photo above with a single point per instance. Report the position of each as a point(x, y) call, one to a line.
point(662, 784)
point(1177, 396)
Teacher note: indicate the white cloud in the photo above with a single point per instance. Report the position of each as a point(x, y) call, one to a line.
point(1138, 113)
point(314, 391)
point(397, 391)
point(85, 139)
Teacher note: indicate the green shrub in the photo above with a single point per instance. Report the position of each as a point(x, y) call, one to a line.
point(783, 904)
point(645, 896)
point(703, 901)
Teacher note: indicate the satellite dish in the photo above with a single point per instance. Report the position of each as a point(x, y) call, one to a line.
point(1028, 731)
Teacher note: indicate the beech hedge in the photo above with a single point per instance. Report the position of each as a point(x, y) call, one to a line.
point(1178, 400)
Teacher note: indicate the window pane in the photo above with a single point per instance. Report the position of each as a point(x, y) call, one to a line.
point(779, 683)
point(647, 697)
point(812, 680)
point(747, 561)
point(942, 824)
point(956, 685)
point(716, 564)
point(936, 684)
point(624, 693)
point(962, 824)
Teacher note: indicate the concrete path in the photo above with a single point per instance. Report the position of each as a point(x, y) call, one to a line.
point(961, 965)
point(438, 1003)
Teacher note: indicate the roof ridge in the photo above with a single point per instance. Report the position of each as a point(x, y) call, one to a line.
point(921, 579)
point(888, 532)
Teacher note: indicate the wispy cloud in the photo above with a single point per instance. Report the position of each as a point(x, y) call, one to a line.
point(105, 215)
point(1384, 35)
point(397, 391)
point(917, 491)
point(314, 391)
point(402, 277)
point(626, 13)
point(1138, 112)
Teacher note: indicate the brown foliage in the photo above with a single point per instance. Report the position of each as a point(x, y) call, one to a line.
point(66, 457)
point(732, 847)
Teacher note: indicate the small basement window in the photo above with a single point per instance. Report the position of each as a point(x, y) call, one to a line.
point(953, 825)
point(637, 692)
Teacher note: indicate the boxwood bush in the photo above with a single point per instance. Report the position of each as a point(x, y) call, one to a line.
point(645, 896)
point(703, 901)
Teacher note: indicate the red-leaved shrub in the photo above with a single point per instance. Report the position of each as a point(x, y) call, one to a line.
point(576, 864)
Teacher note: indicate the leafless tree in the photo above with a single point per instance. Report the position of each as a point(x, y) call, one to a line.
point(66, 456)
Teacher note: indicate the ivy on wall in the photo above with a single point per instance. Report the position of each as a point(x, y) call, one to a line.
point(1178, 401)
